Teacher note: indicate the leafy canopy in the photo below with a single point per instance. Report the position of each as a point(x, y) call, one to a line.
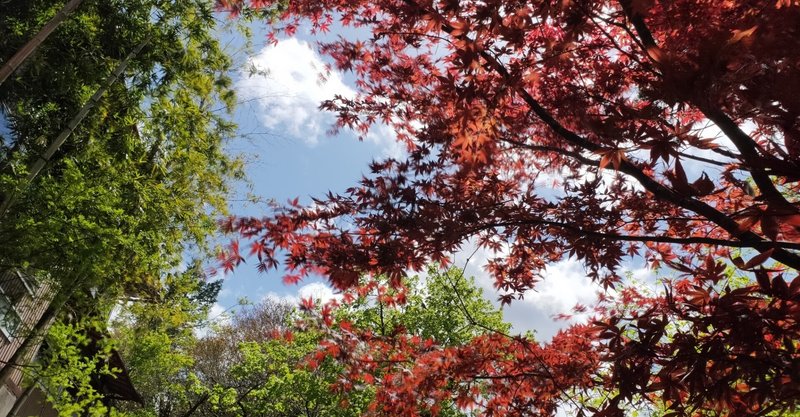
point(141, 179)
point(135, 188)
point(594, 130)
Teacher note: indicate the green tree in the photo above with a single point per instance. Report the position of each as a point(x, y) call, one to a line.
point(142, 176)
point(271, 379)
point(444, 306)
point(115, 166)
point(69, 365)
point(144, 173)
point(18, 58)
point(154, 333)
point(262, 364)
point(156, 337)
point(255, 366)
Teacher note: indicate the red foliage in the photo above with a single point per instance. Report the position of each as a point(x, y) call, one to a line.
point(613, 99)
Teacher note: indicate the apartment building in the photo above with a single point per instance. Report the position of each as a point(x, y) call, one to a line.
point(23, 301)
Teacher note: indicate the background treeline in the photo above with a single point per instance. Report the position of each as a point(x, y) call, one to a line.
point(267, 359)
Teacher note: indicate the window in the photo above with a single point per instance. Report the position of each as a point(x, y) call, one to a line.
point(13, 288)
point(9, 319)
point(16, 285)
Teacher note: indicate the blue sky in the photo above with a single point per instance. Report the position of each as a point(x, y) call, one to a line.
point(290, 155)
point(284, 141)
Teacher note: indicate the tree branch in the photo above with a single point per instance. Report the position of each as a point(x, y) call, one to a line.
point(748, 148)
point(657, 189)
point(647, 238)
point(543, 148)
point(702, 159)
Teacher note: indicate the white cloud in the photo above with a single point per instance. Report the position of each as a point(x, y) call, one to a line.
point(317, 291)
point(313, 290)
point(290, 88)
point(291, 82)
point(385, 138)
point(285, 298)
point(565, 284)
point(219, 314)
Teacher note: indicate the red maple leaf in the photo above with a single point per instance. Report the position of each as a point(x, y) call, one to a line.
point(598, 151)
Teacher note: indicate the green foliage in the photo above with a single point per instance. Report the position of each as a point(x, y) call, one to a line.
point(144, 176)
point(137, 186)
point(271, 380)
point(258, 363)
point(153, 333)
point(258, 366)
point(444, 306)
point(70, 363)
point(156, 337)
point(253, 367)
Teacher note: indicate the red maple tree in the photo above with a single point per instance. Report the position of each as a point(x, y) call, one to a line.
point(542, 130)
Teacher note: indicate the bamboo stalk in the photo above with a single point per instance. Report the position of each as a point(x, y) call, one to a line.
point(23, 53)
point(43, 159)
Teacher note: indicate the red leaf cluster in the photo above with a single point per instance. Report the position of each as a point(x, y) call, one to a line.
point(588, 129)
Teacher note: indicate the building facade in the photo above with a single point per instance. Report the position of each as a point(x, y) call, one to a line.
point(23, 301)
